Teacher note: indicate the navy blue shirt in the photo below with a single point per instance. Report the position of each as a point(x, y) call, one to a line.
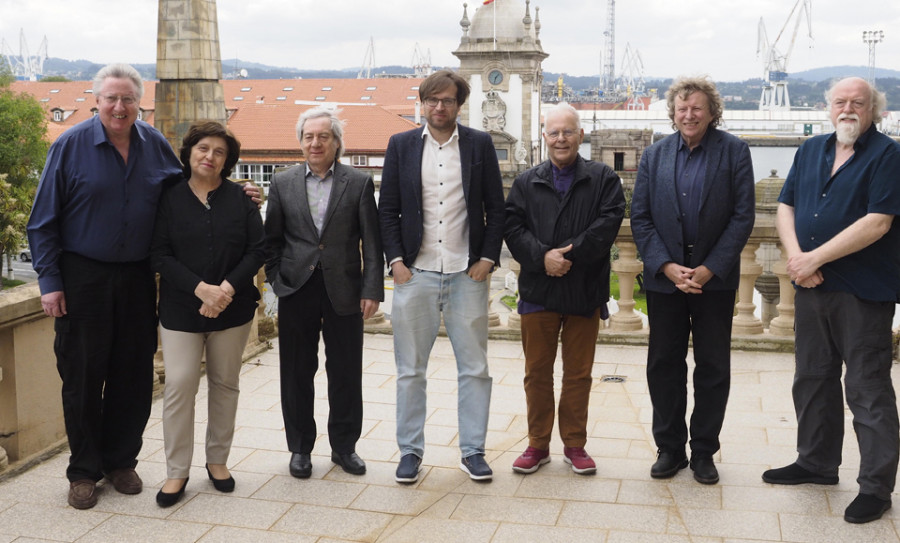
point(91, 203)
point(824, 205)
point(690, 171)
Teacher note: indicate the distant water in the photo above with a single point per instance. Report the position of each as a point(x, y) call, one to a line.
point(766, 159)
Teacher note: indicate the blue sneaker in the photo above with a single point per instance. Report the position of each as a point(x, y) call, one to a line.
point(408, 469)
point(476, 467)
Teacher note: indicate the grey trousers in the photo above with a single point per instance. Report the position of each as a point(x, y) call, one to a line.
point(834, 328)
point(182, 353)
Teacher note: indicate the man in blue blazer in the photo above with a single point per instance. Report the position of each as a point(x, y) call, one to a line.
point(441, 213)
point(691, 215)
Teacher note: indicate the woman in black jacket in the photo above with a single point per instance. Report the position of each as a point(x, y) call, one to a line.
point(207, 248)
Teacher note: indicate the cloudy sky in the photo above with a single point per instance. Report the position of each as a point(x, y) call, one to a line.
point(716, 37)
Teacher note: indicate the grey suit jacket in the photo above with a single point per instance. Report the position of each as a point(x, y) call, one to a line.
point(727, 211)
point(294, 247)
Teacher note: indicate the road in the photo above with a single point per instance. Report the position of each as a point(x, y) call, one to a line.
point(21, 270)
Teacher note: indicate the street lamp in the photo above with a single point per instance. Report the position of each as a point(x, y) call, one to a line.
point(870, 38)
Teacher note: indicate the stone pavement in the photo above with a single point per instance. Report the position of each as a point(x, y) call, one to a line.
point(621, 503)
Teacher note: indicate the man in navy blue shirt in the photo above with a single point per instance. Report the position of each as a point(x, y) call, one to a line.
point(836, 223)
point(90, 231)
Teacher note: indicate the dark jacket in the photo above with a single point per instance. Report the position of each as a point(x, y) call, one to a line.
point(727, 212)
point(588, 217)
point(294, 247)
point(400, 198)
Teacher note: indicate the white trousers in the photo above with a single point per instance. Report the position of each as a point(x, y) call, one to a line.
point(182, 354)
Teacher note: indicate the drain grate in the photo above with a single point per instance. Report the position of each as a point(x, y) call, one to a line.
point(613, 379)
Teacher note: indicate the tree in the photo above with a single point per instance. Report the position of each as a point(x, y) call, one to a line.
point(23, 127)
point(15, 202)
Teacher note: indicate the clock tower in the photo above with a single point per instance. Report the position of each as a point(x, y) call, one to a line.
point(500, 55)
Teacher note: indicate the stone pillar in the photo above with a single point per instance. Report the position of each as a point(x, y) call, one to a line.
point(783, 324)
point(745, 322)
point(626, 267)
point(189, 67)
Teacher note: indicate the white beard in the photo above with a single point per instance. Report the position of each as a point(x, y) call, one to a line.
point(847, 133)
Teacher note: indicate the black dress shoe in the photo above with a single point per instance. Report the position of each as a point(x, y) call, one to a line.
point(796, 475)
point(222, 485)
point(168, 499)
point(301, 465)
point(350, 462)
point(668, 464)
point(704, 469)
point(866, 508)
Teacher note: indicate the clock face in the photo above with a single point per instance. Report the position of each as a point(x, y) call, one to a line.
point(495, 77)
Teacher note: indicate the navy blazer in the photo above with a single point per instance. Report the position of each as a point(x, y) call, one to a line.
point(727, 211)
point(400, 200)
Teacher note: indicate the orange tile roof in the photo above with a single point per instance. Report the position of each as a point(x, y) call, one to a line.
point(264, 118)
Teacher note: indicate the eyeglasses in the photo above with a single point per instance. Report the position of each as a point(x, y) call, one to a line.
point(433, 102)
point(111, 99)
point(555, 135)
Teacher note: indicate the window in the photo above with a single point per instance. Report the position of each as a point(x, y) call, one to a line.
point(360, 160)
point(618, 161)
point(320, 97)
point(281, 98)
point(79, 99)
point(246, 89)
point(140, 114)
point(260, 174)
point(411, 97)
point(326, 88)
point(365, 97)
point(502, 154)
point(54, 91)
point(238, 98)
point(57, 115)
point(371, 88)
point(287, 89)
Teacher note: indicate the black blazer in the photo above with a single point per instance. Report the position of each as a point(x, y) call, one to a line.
point(727, 211)
point(400, 201)
point(294, 247)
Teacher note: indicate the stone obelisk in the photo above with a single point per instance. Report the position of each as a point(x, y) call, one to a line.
point(189, 67)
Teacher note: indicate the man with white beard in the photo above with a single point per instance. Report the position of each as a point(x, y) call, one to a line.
point(836, 223)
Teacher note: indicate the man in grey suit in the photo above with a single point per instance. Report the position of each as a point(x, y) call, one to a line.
point(318, 214)
point(691, 215)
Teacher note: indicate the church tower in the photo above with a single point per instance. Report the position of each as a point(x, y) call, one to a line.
point(500, 55)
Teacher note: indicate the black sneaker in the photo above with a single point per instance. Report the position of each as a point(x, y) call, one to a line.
point(408, 469)
point(866, 508)
point(476, 467)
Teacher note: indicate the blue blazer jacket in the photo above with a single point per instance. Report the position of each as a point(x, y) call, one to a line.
point(727, 211)
point(400, 200)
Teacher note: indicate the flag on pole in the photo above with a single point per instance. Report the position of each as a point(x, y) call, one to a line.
point(486, 2)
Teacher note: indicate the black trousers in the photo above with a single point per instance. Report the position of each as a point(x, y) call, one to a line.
point(301, 317)
point(104, 354)
point(673, 318)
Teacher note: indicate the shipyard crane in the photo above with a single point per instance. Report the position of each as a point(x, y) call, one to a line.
point(633, 77)
point(25, 65)
point(609, 51)
point(368, 64)
point(775, 63)
point(421, 63)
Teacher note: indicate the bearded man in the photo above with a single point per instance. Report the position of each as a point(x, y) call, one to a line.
point(836, 223)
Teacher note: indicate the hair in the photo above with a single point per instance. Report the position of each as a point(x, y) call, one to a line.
point(337, 125)
point(209, 129)
point(563, 107)
point(683, 87)
point(879, 101)
point(119, 71)
point(442, 79)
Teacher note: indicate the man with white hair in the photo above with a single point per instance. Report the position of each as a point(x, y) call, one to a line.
point(562, 217)
point(836, 223)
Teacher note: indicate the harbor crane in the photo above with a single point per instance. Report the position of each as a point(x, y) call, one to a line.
point(775, 63)
point(25, 65)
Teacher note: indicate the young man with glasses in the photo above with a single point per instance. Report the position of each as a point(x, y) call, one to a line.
point(562, 217)
point(441, 212)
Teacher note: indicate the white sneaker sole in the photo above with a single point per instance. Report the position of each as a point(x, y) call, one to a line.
point(487, 477)
point(541, 462)
point(584, 471)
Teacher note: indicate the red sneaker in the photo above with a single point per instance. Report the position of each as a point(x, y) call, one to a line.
point(531, 460)
point(581, 462)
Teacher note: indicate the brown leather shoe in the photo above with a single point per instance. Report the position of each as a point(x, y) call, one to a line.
point(82, 494)
point(125, 480)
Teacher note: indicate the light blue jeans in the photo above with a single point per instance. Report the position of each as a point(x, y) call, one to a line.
point(416, 316)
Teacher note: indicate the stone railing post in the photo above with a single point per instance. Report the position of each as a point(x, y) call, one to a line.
point(745, 322)
point(627, 267)
point(783, 324)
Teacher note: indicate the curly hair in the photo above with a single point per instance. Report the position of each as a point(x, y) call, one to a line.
point(209, 129)
point(683, 87)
